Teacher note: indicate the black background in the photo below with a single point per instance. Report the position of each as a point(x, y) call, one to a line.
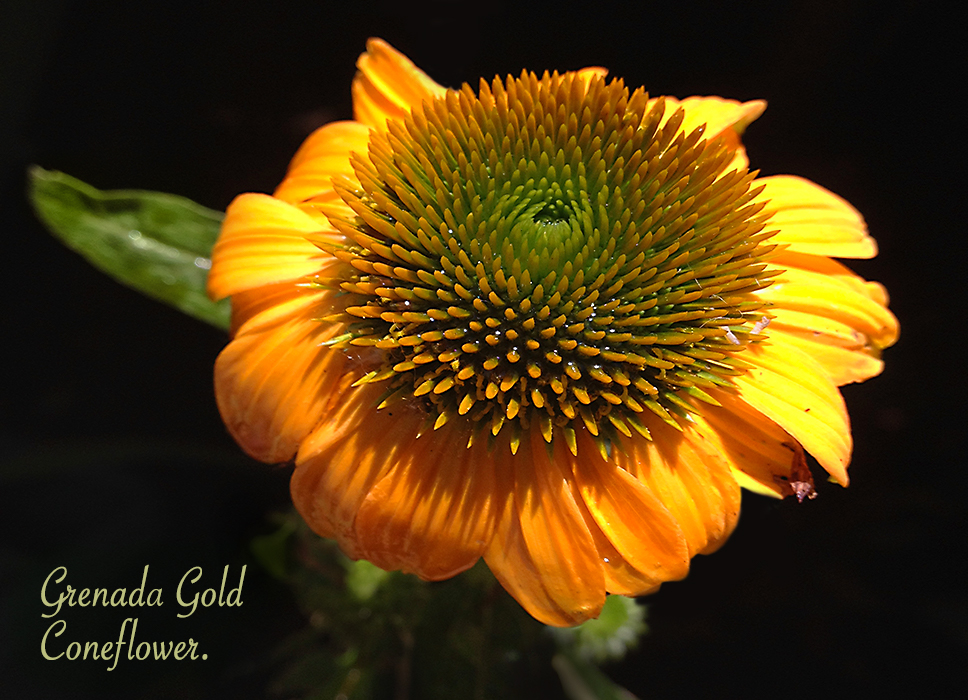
point(114, 455)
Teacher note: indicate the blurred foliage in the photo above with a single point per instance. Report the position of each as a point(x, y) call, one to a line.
point(608, 638)
point(376, 634)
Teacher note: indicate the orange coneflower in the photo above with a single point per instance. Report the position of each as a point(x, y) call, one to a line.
point(550, 322)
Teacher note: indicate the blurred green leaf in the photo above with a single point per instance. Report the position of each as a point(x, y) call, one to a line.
point(156, 243)
point(375, 635)
point(272, 550)
point(617, 629)
point(582, 680)
point(363, 579)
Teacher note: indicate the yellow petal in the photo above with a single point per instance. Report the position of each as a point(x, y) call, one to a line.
point(388, 85)
point(263, 241)
point(587, 74)
point(720, 118)
point(325, 154)
point(811, 219)
point(273, 381)
point(794, 391)
point(831, 314)
point(760, 453)
point(843, 353)
point(433, 513)
point(542, 551)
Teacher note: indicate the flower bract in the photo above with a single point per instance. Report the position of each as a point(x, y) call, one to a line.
point(550, 321)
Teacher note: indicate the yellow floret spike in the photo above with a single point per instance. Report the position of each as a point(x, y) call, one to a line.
point(593, 253)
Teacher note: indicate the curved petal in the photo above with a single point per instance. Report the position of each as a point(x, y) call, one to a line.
point(273, 381)
point(341, 461)
point(263, 241)
point(388, 85)
point(844, 353)
point(814, 220)
point(721, 117)
point(620, 576)
point(324, 154)
point(760, 453)
point(542, 551)
point(836, 270)
point(634, 520)
point(433, 513)
point(687, 474)
point(586, 75)
point(794, 391)
point(831, 314)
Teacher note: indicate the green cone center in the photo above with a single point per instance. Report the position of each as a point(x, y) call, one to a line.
point(549, 253)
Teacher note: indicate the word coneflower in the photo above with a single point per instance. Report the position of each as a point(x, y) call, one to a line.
point(551, 321)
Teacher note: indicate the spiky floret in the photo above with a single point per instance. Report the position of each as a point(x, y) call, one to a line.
point(548, 253)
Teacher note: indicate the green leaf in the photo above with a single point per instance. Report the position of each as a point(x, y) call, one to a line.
point(159, 244)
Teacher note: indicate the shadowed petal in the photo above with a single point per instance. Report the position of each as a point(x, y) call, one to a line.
point(760, 453)
point(433, 513)
point(634, 520)
point(273, 381)
point(620, 576)
point(542, 551)
point(345, 457)
point(691, 479)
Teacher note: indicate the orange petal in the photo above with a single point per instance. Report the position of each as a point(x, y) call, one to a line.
point(273, 381)
point(325, 154)
point(690, 477)
point(831, 314)
point(263, 241)
point(433, 513)
point(814, 220)
point(795, 391)
point(267, 307)
point(388, 85)
point(542, 551)
point(760, 453)
point(346, 456)
point(620, 576)
point(635, 521)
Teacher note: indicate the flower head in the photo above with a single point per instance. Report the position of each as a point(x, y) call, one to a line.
point(552, 322)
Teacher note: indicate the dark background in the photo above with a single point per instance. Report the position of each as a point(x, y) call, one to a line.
point(114, 456)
